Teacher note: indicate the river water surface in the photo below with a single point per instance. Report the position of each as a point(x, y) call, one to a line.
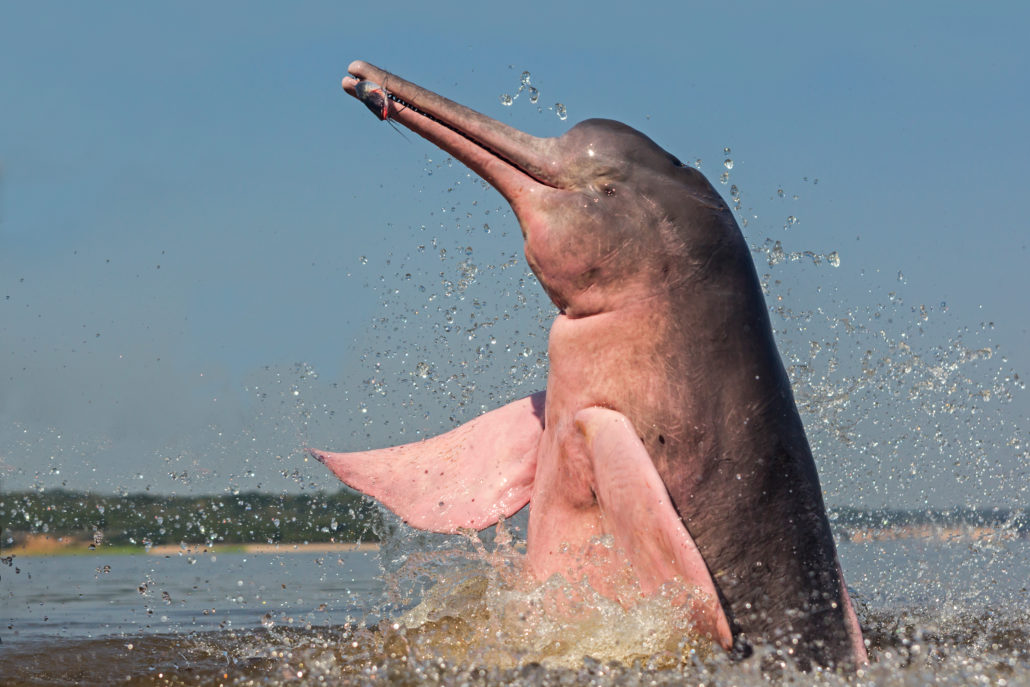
point(947, 612)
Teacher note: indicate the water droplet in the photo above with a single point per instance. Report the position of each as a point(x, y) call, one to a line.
point(507, 100)
point(524, 79)
point(728, 163)
point(363, 260)
point(559, 110)
point(422, 369)
point(833, 258)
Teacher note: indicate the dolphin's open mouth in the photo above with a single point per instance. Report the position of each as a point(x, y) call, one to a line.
point(510, 160)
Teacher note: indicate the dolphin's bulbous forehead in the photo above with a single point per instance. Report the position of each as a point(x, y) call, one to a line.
point(605, 147)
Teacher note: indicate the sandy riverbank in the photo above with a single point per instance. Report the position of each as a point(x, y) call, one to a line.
point(949, 534)
point(46, 545)
point(316, 547)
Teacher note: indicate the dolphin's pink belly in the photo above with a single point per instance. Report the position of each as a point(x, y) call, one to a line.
point(598, 361)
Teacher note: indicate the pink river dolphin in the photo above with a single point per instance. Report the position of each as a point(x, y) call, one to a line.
point(668, 429)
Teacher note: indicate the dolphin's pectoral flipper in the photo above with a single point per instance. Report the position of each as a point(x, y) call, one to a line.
point(852, 626)
point(467, 478)
point(637, 511)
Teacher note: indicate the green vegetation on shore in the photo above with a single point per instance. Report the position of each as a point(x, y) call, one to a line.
point(145, 519)
point(344, 516)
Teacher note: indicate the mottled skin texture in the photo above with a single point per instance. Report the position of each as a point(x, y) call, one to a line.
point(662, 320)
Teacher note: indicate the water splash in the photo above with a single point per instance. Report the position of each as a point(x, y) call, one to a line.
point(912, 649)
point(525, 85)
point(902, 402)
point(895, 410)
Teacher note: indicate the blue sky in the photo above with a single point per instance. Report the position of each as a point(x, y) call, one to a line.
point(194, 218)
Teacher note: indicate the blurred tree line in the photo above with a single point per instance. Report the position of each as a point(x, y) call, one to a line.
point(344, 516)
point(142, 519)
point(1010, 519)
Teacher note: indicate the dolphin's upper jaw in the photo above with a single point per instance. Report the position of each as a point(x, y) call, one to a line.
point(403, 105)
point(515, 163)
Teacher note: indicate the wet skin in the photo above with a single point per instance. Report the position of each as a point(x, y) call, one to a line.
point(668, 420)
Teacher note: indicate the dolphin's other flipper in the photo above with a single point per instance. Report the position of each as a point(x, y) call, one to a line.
point(638, 513)
point(467, 478)
point(861, 657)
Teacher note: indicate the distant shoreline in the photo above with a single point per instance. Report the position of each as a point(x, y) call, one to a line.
point(45, 545)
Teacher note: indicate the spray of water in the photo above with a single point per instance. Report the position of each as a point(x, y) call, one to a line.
point(904, 404)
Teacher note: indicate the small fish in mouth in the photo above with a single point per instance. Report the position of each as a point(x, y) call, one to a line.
point(375, 97)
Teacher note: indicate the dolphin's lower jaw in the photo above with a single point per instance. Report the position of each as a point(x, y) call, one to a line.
point(666, 402)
